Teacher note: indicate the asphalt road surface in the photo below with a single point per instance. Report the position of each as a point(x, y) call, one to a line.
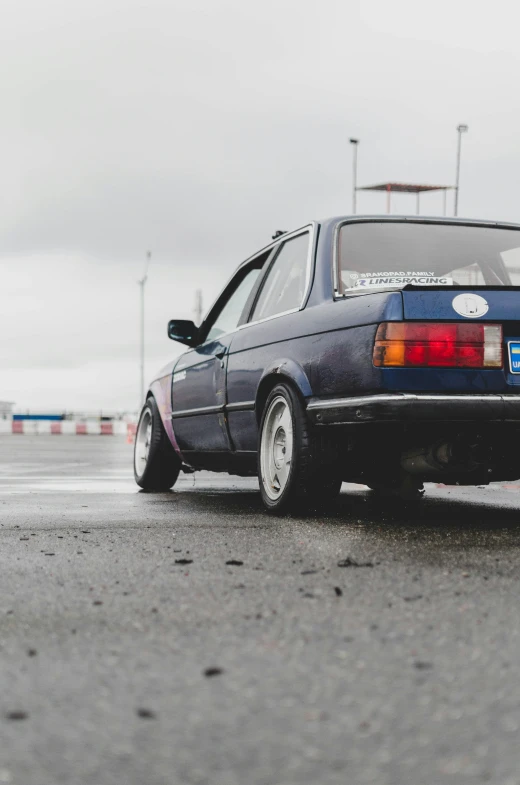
point(186, 638)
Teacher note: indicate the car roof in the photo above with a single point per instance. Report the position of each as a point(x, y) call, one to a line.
point(438, 219)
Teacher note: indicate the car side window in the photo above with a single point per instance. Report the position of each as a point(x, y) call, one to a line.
point(230, 313)
point(284, 286)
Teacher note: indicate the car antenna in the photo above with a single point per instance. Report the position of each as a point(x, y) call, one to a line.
point(278, 233)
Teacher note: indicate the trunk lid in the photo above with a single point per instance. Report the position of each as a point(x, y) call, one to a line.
point(489, 304)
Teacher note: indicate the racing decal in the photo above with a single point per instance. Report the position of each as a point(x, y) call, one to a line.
point(470, 305)
point(402, 280)
point(391, 273)
point(179, 377)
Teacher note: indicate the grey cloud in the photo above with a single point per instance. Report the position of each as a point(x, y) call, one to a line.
point(196, 129)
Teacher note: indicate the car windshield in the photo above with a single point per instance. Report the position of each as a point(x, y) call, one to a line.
point(388, 255)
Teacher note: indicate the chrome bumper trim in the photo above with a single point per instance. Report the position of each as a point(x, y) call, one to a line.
point(415, 406)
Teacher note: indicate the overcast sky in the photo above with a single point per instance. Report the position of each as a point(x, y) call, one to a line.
point(196, 129)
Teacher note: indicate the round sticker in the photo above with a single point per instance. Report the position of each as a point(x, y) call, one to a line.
point(470, 305)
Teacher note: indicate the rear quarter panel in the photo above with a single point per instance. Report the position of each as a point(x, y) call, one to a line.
point(332, 343)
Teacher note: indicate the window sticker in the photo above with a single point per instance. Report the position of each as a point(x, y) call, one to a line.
point(397, 278)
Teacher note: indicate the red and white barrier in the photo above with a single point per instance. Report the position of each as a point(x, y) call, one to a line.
point(69, 427)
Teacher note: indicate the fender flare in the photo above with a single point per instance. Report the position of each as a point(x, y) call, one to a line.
point(277, 371)
point(161, 389)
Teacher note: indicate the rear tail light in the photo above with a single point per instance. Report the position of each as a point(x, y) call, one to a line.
point(437, 345)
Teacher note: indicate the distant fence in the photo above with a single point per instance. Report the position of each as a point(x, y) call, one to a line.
point(78, 416)
point(38, 417)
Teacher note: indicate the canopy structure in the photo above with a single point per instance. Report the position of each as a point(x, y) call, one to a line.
point(408, 188)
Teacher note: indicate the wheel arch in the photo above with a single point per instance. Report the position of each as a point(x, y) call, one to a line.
point(160, 389)
point(283, 370)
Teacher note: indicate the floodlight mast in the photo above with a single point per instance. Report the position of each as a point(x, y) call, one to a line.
point(142, 284)
point(462, 129)
point(354, 143)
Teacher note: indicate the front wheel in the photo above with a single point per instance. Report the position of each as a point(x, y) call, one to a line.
point(296, 467)
point(156, 464)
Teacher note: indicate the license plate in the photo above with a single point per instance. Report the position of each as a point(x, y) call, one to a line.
point(514, 356)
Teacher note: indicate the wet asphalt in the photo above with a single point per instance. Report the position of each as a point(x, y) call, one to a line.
point(188, 638)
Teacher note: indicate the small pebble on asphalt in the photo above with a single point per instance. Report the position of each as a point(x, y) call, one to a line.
point(348, 562)
point(146, 714)
point(213, 671)
point(16, 715)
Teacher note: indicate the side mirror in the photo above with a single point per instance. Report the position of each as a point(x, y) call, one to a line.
point(183, 331)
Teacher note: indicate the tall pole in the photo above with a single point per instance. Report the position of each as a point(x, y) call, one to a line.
point(142, 284)
point(354, 143)
point(461, 130)
point(198, 307)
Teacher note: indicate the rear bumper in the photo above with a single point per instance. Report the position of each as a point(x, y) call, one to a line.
point(404, 407)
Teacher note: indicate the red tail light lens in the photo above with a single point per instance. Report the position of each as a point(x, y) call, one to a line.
point(438, 345)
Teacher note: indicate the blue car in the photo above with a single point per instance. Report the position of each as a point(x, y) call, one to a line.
point(383, 351)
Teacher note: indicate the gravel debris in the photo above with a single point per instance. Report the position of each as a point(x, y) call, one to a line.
point(348, 562)
point(146, 714)
point(213, 671)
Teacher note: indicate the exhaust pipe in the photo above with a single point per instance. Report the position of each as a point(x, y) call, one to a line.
point(442, 457)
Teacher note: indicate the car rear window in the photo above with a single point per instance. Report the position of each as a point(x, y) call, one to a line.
point(393, 254)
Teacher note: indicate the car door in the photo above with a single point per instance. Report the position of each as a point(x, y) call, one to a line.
point(271, 334)
point(199, 378)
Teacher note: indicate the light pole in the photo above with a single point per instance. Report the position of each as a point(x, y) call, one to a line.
point(354, 143)
point(198, 307)
point(461, 130)
point(142, 284)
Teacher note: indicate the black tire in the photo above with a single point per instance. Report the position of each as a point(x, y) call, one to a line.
point(313, 481)
point(163, 464)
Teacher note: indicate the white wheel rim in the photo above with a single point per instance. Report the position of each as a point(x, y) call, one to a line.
point(276, 448)
point(143, 438)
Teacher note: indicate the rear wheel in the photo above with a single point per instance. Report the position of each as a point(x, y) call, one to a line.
point(156, 464)
point(296, 468)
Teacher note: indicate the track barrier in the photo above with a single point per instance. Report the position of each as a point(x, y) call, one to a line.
point(69, 428)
